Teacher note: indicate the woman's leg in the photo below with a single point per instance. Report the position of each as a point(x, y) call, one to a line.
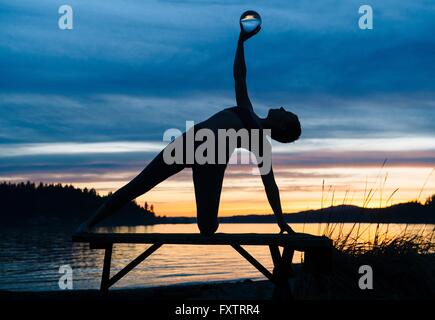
point(154, 173)
point(208, 186)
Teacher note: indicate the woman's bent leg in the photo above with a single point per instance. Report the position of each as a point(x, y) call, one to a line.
point(208, 186)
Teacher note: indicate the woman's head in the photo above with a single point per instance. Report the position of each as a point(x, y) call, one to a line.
point(284, 125)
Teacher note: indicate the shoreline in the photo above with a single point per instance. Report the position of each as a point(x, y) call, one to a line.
point(232, 290)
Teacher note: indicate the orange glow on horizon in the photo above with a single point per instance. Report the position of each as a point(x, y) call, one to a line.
point(300, 189)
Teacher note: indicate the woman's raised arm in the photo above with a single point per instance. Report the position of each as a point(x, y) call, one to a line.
point(239, 70)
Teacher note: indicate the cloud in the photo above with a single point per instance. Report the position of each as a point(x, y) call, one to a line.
point(87, 161)
point(131, 69)
point(65, 149)
point(309, 145)
point(97, 99)
point(181, 48)
point(38, 118)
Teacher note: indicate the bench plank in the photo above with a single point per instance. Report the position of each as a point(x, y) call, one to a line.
point(298, 241)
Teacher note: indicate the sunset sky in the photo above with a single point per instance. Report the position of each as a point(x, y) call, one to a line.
point(89, 106)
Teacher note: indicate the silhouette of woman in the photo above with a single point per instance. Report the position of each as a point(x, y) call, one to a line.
point(207, 178)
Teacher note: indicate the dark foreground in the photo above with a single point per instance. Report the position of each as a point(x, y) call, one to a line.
point(250, 290)
point(397, 276)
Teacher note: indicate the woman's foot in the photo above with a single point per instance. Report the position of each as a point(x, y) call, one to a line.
point(285, 227)
point(84, 228)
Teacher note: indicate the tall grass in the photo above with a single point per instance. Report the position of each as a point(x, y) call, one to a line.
point(358, 239)
point(402, 261)
point(403, 268)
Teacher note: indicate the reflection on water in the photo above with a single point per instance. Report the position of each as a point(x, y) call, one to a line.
point(30, 258)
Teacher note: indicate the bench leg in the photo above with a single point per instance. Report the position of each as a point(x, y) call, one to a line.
point(133, 264)
point(106, 281)
point(282, 271)
point(287, 260)
point(318, 261)
point(245, 254)
point(282, 263)
point(105, 278)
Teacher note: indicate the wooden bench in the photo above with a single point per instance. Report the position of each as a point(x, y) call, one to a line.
point(318, 250)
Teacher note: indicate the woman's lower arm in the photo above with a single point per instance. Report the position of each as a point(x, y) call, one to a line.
point(275, 202)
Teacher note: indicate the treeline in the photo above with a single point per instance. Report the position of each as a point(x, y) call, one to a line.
point(430, 202)
point(22, 203)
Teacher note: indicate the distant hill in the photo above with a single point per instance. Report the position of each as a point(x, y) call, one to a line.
point(25, 203)
point(411, 212)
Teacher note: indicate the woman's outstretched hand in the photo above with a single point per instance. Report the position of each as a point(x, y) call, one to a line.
point(246, 35)
point(285, 228)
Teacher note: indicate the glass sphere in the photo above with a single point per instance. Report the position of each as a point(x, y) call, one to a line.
point(250, 20)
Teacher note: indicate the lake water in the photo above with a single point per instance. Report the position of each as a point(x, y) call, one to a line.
point(30, 257)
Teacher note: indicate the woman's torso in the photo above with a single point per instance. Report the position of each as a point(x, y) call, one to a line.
point(233, 121)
